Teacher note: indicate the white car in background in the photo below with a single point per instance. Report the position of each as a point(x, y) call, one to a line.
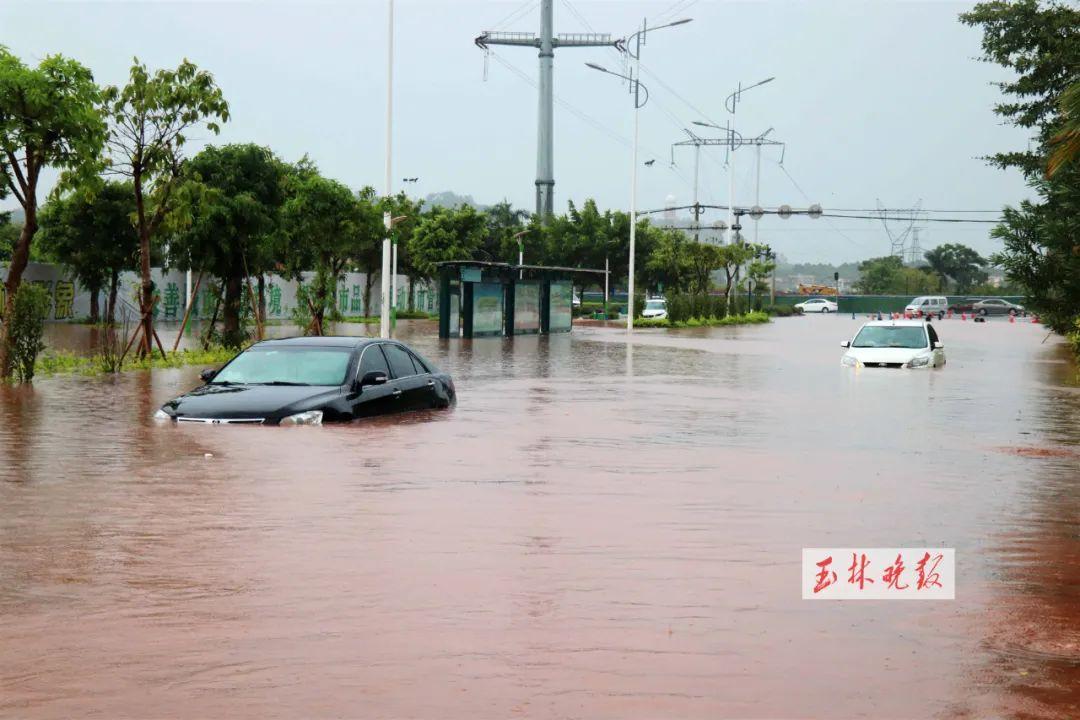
point(655, 309)
point(818, 305)
point(895, 344)
point(927, 305)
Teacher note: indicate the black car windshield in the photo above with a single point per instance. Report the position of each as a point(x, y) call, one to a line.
point(287, 366)
point(890, 336)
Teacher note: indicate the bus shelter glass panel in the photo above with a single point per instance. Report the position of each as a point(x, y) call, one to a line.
point(527, 307)
point(562, 303)
point(455, 311)
point(487, 309)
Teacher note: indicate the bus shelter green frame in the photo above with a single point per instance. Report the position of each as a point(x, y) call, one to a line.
point(460, 277)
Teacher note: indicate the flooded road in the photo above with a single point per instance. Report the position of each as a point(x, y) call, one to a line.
point(598, 530)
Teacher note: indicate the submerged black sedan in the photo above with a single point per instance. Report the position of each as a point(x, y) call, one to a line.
point(308, 380)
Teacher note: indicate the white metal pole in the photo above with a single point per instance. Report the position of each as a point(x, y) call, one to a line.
point(393, 277)
point(757, 189)
point(697, 158)
point(633, 221)
point(731, 171)
point(605, 281)
point(384, 309)
point(187, 293)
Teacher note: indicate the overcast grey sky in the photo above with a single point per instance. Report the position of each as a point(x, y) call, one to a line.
point(875, 99)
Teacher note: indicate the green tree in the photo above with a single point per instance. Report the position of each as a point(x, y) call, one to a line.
point(93, 236)
point(49, 117)
point(731, 257)
point(233, 196)
point(9, 235)
point(502, 223)
point(446, 234)
point(151, 118)
point(1066, 144)
point(877, 276)
point(406, 214)
point(323, 222)
point(1039, 44)
point(959, 263)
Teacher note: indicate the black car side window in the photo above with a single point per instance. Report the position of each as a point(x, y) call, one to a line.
point(933, 334)
point(373, 361)
point(421, 369)
point(400, 361)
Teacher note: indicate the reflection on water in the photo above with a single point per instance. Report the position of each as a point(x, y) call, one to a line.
point(598, 529)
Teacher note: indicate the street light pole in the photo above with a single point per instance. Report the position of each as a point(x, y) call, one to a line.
point(384, 306)
point(635, 78)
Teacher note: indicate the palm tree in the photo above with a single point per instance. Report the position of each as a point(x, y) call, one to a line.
point(1067, 141)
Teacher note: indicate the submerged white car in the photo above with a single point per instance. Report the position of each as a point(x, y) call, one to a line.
point(818, 305)
point(895, 344)
point(655, 309)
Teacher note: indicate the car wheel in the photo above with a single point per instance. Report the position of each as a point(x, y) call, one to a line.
point(825, 310)
point(941, 315)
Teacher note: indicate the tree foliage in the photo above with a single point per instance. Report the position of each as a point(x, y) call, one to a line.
point(1039, 43)
point(151, 118)
point(958, 263)
point(49, 117)
point(233, 197)
point(92, 235)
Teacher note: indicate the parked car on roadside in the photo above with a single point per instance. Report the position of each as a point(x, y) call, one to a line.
point(655, 309)
point(926, 305)
point(895, 344)
point(996, 306)
point(309, 380)
point(817, 305)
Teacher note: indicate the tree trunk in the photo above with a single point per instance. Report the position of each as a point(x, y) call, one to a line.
point(369, 279)
point(95, 310)
point(114, 285)
point(262, 300)
point(19, 259)
point(230, 331)
point(146, 301)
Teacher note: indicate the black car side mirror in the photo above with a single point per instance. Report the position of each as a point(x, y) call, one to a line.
point(375, 377)
point(208, 374)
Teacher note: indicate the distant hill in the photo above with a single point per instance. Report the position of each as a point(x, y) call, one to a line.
point(450, 199)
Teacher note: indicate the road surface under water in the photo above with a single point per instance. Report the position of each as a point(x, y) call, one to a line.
point(598, 530)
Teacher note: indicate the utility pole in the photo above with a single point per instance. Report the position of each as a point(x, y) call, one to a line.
point(384, 306)
point(546, 42)
point(697, 142)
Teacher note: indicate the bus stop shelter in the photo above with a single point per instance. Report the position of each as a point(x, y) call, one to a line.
point(481, 299)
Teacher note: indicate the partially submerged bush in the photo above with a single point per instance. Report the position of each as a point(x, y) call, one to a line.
point(27, 320)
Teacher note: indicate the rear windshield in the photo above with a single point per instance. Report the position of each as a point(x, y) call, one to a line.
point(654, 305)
point(890, 336)
point(291, 366)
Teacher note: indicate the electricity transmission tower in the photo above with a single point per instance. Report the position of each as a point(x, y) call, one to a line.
point(898, 240)
point(915, 251)
point(732, 141)
point(546, 42)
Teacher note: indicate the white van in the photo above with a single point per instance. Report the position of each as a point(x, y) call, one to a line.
point(928, 305)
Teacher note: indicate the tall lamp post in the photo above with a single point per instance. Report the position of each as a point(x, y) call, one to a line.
point(635, 80)
point(388, 224)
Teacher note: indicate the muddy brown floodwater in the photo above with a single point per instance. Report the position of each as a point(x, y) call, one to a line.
point(597, 530)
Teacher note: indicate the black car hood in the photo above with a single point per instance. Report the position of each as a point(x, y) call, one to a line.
point(250, 401)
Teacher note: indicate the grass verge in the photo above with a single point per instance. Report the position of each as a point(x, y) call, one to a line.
point(65, 362)
point(751, 318)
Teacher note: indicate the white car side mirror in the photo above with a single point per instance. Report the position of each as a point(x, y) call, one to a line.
point(846, 343)
point(939, 345)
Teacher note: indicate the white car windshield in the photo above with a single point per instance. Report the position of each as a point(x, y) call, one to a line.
point(890, 336)
point(287, 366)
point(655, 305)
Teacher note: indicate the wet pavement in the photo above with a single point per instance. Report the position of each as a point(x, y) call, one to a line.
point(598, 530)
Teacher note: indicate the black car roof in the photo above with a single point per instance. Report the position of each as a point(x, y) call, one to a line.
point(323, 341)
